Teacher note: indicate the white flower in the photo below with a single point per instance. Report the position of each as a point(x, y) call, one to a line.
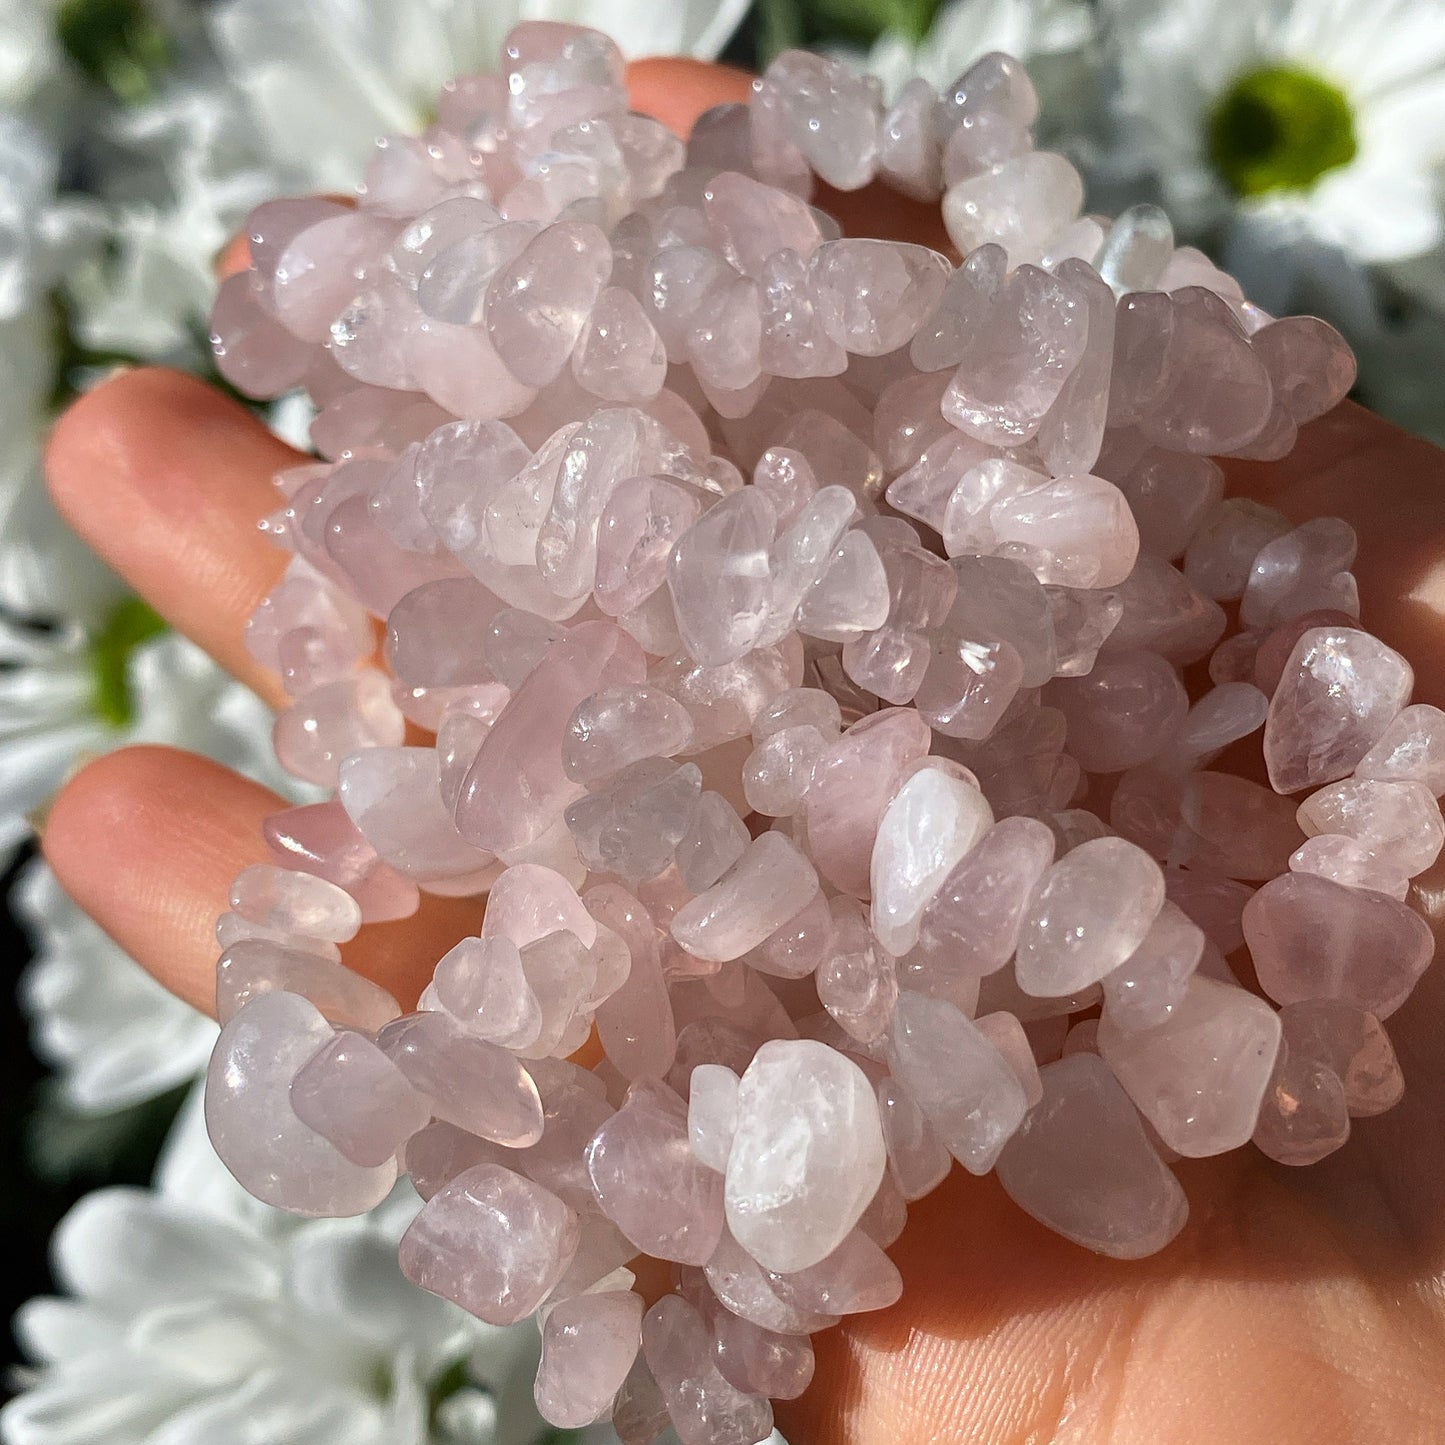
point(1317, 119)
point(115, 1036)
point(194, 1316)
point(967, 29)
point(326, 78)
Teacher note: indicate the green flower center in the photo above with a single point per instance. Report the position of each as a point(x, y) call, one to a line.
point(129, 624)
point(1280, 129)
point(117, 43)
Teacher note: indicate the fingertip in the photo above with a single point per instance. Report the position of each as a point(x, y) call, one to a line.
point(234, 258)
point(677, 89)
point(166, 478)
point(147, 840)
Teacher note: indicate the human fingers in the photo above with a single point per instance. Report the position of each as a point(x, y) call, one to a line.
point(147, 841)
point(166, 479)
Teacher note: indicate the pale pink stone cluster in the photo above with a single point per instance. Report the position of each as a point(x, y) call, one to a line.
point(800, 621)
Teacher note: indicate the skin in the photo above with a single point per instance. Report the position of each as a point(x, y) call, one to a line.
point(1297, 1305)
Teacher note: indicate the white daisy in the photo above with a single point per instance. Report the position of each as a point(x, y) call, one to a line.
point(1306, 119)
point(325, 79)
point(967, 29)
point(194, 1316)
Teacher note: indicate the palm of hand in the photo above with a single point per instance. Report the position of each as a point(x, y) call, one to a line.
point(1296, 1305)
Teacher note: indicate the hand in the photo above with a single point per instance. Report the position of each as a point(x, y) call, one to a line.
point(1297, 1305)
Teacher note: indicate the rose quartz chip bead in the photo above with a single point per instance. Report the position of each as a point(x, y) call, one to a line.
point(588, 1346)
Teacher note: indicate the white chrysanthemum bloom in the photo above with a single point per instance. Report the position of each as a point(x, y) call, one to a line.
point(325, 79)
point(113, 1034)
point(967, 29)
point(194, 1316)
point(1317, 120)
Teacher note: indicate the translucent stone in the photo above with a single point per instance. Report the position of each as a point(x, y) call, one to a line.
point(1139, 245)
point(966, 1089)
point(1311, 938)
point(856, 979)
point(516, 789)
point(473, 1084)
point(1082, 1165)
point(1093, 908)
point(828, 112)
point(1169, 493)
point(588, 1346)
point(1161, 611)
point(1210, 820)
point(909, 156)
point(930, 824)
point(793, 340)
point(317, 732)
point(1302, 1117)
point(256, 1132)
point(971, 925)
point(703, 1407)
point(253, 351)
point(1200, 1074)
point(724, 335)
point(1119, 713)
point(716, 838)
point(295, 902)
point(1143, 990)
point(852, 785)
point(916, 1156)
point(252, 967)
point(856, 1277)
point(529, 902)
point(538, 304)
point(1399, 822)
point(807, 1156)
point(641, 522)
point(720, 578)
point(1340, 690)
point(1004, 1031)
point(1014, 366)
point(712, 1114)
point(1226, 713)
point(492, 1242)
point(323, 268)
point(1346, 860)
point(945, 337)
point(320, 839)
point(393, 795)
point(619, 355)
point(649, 1182)
point(1019, 205)
point(632, 824)
point(480, 982)
point(797, 947)
point(1309, 362)
point(752, 222)
point(873, 295)
point(635, 1023)
point(743, 1286)
point(1352, 1044)
point(1411, 749)
point(350, 1093)
point(1074, 531)
point(778, 771)
point(761, 1361)
point(761, 892)
point(1298, 572)
point(1222, 551)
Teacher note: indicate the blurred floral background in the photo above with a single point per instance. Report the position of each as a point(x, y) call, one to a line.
point(1300, 142)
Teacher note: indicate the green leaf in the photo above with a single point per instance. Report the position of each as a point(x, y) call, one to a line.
point(130, 623)
point(863, 21)
point(117, 43)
